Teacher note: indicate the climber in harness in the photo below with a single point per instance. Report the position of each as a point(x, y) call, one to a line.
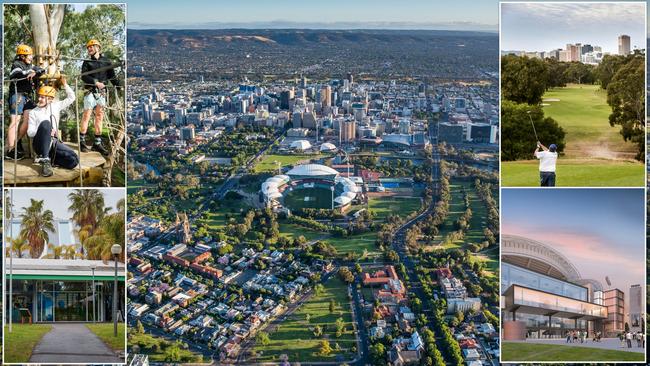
point(24, 78)
point(44, 127)
point(95, 94)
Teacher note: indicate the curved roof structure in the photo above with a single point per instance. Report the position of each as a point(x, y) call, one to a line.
point(313, 170)
point(346, 189)
point(327, 147)
point(538, 257)
point(301, 145)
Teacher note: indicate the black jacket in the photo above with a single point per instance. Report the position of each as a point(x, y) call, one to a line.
point(105, 75)
point(19, 71)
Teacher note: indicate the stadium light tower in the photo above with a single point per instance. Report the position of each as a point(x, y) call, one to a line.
point(332, 189)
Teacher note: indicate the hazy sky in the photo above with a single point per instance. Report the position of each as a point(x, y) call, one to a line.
point(547, 26)
point(57, 199)
point(601, 231)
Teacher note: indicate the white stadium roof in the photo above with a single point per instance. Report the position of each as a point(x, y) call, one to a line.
point(327, 146)
point(312, 170)
point(301, 144)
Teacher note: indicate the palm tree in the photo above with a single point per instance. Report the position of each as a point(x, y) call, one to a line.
point(109, 231)
point(35, 222)
point(55, 251)
point(70, 252)
point(19, 245)
point(87, 207)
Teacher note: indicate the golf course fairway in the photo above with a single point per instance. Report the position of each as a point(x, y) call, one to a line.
point(595, 155)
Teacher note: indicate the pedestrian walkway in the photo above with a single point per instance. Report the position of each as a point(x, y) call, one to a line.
point(72, 343)
point(605, 343)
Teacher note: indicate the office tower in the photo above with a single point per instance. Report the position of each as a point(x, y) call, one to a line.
point(623, 45)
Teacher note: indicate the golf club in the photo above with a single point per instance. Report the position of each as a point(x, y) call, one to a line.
point(533, 124)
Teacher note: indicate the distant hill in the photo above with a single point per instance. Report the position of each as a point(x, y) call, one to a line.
point(286, 37)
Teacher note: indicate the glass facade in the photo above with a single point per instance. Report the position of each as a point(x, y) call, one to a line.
point(615, 303)
point(53, 301)
point(542, 300)
point(511, 275)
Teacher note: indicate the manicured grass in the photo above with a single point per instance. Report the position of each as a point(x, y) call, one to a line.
point(356, 244)
point(582, 111)
point(547, 352)
point(136, 185)
point(294, 231)
point(105, 332)
point(268, 162)
point(156, 349)
point(20, 343)
point(315, 197)
point(295, 337)
point(575, 173)
point(382, 206)
point(216, 219)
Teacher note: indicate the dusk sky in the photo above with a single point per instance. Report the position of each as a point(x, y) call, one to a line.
point(601, 231)
point(547, 26)
point(57, 199)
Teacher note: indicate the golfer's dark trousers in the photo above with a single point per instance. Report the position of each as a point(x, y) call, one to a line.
point(547, 179)
point(46, 146)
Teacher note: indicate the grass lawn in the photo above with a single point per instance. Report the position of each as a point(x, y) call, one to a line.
point(295, 337)
point(396, 205)
point(294, 231)
point(545, 352)
point(216, 219)
point(582, 111)
point(156, 348)
point(19, 344)
point(268, 162)
point(105, 332)
point(136, 185)
point(575, 173)
point(356, 244)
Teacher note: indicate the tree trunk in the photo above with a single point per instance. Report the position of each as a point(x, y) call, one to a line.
point(46, 23)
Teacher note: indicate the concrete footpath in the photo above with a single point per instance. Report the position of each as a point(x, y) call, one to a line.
point(72, 343)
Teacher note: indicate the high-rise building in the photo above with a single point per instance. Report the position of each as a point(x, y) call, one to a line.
point(350, 78)
point(285, 98)
point(636, 307)
point(187, 133)
point(574, 51)
point(326, 96)
point(623, 45)
point(614, 300)
point(348, 130)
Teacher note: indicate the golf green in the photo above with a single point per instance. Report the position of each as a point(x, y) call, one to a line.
point(575, 173)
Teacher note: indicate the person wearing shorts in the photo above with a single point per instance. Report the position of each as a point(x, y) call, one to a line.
point(23, 77)
point(43, 127)
point(96, 73)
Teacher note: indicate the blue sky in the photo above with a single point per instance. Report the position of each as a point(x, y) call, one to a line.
point(57, 199)
point(543, 27)
point(601, 231)
point(477, 14)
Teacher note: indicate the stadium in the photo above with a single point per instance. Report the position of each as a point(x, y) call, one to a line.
point(309, 186)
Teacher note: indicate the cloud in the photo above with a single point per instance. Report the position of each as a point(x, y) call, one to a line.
point(588, 249)
point(578, 15)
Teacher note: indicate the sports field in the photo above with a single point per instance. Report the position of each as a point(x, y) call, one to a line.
point(308, 198)
point(595, 155)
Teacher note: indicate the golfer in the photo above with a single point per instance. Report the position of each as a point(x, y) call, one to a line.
point(547, 160)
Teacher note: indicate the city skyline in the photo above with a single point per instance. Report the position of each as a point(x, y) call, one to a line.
point(594, 228)
point(548, 26)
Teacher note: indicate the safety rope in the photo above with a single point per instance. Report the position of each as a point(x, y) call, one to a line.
point(119, 111)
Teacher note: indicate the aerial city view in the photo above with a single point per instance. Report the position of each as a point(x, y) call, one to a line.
point(316, 190)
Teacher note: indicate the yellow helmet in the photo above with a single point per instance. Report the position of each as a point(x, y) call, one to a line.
point(93, 42)
point(47, 91)
point(24, 49)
